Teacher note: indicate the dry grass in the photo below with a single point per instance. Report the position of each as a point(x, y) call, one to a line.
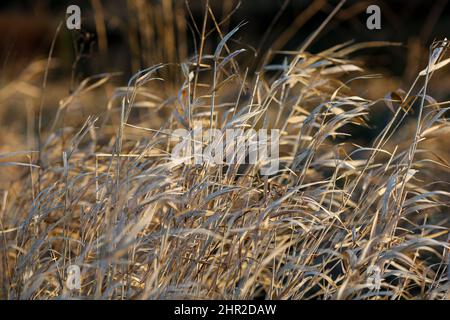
point(105, 195)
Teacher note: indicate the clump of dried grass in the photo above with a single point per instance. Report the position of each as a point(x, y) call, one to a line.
point(107, 198)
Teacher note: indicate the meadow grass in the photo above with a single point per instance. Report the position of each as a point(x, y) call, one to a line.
point(106, 197)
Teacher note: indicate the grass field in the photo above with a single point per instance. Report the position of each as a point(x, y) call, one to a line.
point(91, 183)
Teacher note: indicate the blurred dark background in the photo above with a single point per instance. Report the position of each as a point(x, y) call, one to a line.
point(127, 35)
